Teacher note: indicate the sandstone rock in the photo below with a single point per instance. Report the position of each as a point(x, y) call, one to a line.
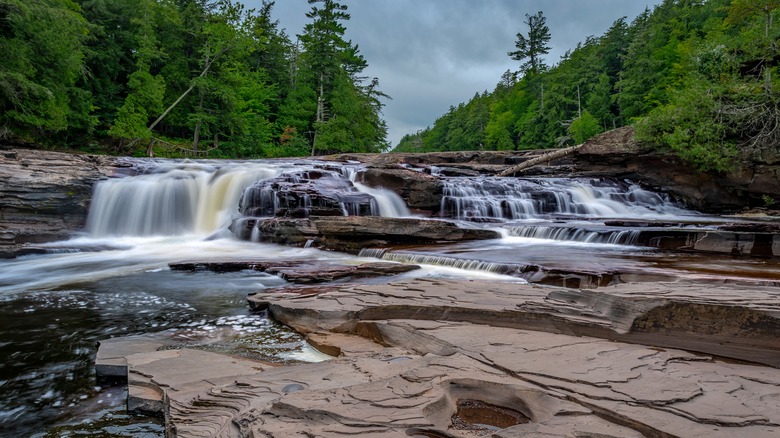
point(436, 358)
point(653, 313)
point(352, 233)
point(45, 195)
point(420, 191)
point(301, 272)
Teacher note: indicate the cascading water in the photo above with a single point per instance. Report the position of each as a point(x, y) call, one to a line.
point(192, 198)
point(388, 203)
point(513, 199)
point(173, 200)
point(611, 237)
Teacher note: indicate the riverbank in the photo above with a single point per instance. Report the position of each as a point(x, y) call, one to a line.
point(446, 358)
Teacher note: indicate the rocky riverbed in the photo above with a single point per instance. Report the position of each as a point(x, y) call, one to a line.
point(442, 358)
point(642, 317)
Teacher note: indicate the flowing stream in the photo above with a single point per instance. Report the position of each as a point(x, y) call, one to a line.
point(114, 280)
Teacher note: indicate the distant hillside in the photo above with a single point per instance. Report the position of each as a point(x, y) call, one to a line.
point(697, 77)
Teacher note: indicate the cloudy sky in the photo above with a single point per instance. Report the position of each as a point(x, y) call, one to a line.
point(430, 54)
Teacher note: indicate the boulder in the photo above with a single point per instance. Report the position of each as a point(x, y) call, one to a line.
point(305, 193)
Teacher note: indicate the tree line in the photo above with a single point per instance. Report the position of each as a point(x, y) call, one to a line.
point(698, 77)
point(161, 76)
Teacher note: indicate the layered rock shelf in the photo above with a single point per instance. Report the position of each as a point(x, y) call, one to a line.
point(299, 272)
point(353, 233)
point(447, 358)
point(44, 196)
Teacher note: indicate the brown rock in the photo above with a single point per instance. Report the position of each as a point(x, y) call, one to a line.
point(44, 196)
point(420, 191)
point(413, 364)
point(353, 233)
point(301, 272)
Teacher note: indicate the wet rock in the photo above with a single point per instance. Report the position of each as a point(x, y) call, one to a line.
point(444, 358)
point(300, 272)
point(353, 233)
point(306, 193)
point(420, 191)
point(44, 196)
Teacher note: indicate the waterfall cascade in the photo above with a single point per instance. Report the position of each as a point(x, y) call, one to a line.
point(173, 200)
point(193, 198)
point(511, 199)
point(612, 237)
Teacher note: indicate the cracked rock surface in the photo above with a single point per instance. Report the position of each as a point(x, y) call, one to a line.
point(447, 358)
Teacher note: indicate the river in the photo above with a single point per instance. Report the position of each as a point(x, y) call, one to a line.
point(113, 280)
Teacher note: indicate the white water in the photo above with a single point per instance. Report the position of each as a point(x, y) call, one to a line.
point(513, 199)
point(189, 198)
point(196, 198)
point(611, 237)
point(388, 202)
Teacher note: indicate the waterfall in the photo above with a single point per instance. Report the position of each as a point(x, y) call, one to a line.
point(450, 262)
point(194, 198)
point(512, 199)
point(612, 237)
point(181, 199)
point(388, 203)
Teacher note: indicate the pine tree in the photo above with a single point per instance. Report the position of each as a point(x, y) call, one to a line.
point(534, 45)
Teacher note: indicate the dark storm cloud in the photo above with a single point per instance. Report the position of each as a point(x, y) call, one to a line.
point(430, 54)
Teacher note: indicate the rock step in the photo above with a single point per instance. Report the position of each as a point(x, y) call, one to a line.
point(296, 271)
point(353, 233)
point(411, 375)
point(703, 318)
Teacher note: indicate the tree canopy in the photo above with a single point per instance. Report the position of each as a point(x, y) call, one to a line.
point(697, 77)
point(141, 76)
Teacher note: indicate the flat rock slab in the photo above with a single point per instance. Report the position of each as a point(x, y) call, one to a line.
point(301, 272)
point(728, 321)
point(353, 233)
point(402, 373)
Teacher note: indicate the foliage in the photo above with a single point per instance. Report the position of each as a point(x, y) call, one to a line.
point(584, 127)
point(200, 74)
point(699, 78)
point(42, 42)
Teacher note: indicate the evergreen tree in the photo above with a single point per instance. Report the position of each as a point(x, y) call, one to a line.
point(534, 46)
point(42, 42)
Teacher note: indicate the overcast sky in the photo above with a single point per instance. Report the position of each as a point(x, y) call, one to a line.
point(430, 54)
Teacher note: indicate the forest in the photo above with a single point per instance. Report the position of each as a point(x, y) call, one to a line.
point(696, 77)
point(173, 77)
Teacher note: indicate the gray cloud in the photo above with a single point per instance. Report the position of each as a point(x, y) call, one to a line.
point(430, 54)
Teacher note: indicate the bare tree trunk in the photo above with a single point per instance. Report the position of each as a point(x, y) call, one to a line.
point(553, 155)
point(320, 116)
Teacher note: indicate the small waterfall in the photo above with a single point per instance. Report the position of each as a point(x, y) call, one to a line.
point(513, 199)
point(388, 203)
point(372, 252)
point(613, 237)
point(450, 262)
point(176, 200)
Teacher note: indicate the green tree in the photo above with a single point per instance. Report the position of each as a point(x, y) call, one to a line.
point(42, 42)
point(146, 91)
point(331, 66)
point(534, 46)
point(584, 127)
